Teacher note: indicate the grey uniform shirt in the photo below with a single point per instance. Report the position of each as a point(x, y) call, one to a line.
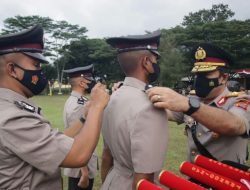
point(232, 148)
point(135, 132)
point(73, 110)
point(30, 150)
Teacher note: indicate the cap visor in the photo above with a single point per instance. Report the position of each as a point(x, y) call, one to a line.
point(37, 56)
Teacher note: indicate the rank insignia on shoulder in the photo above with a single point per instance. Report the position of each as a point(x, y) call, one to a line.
point(148, 86)
point(82, 100)
point(242, 103)
point(25, 106)
point(232, 94)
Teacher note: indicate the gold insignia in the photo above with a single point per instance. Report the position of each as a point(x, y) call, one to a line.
point(211, 83)
point(200, 54)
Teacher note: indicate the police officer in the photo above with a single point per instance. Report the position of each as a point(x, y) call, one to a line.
point(134, 132)
point(81, 80)
point(31, 152)
point(217, 120)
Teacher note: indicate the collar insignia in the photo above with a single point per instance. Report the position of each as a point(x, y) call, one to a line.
point(25, 106)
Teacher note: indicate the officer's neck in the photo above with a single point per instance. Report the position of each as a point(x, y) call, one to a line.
point(140, 76)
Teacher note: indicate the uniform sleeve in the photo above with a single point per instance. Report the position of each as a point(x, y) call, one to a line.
point(149, 140)
point(34, 141)
point(178, 117)
point(242, 108)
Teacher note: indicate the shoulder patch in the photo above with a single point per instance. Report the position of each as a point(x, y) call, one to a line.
point(25, 106)
point(242, 103)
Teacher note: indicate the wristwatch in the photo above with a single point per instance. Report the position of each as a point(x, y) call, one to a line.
point(194, 105)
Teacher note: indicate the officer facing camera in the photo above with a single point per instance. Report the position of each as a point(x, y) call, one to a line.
point(217, 120)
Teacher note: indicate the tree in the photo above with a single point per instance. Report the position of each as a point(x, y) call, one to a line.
point(218, 12)
point(172, 61)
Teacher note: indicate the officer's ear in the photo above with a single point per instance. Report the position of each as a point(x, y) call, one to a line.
point(146, 64)
point(10, 68)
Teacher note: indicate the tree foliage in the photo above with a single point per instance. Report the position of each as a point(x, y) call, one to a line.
point(218, 12)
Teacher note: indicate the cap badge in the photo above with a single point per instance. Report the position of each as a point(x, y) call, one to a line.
point(148, 46)
point(200, 54)
point(34, 79)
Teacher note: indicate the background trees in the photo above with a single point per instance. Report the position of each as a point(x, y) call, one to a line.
point(67, 45)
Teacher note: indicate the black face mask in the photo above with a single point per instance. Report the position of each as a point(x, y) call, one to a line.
point(203, 86)
point(152, 77)
point(34, 80)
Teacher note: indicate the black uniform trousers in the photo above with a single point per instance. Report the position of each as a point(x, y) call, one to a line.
point(72, 184)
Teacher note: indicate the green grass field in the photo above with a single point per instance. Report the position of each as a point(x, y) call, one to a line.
point(52, 107)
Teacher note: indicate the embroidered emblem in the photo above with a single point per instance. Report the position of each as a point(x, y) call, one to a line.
point(211, 83)
point(34, 79)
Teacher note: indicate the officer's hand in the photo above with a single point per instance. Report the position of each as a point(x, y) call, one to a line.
point(99, 96)
point(116, 86)
point(168, 99)
point(84, 180)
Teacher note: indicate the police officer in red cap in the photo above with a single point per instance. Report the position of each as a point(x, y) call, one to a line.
point(217, 120)
point(31, 152)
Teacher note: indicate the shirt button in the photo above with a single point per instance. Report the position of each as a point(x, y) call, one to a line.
point(199, 135)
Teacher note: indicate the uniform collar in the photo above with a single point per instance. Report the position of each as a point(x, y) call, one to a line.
point(133, 82)
point(220, 100)
point(20, 101)
point(76, 94)
point(12, 96)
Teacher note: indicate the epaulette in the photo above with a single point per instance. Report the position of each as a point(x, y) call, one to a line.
point(192, 92)
point(234, 94)
point(82, 100)
point(25, 106)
